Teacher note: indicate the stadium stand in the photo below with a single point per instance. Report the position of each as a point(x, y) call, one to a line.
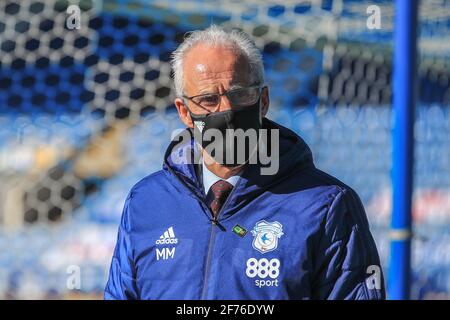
point(86, 113)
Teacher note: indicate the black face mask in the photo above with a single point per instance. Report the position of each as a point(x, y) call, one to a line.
point(228, 151)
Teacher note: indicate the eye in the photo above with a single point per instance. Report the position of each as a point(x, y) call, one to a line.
point(243, 96)
point(237, 94)
point(207, 100)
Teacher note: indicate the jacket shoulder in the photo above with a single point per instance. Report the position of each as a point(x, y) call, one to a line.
point(147, 183)
point(346, 207)
point(137, 197)
point(342, 204)
point(323, 179)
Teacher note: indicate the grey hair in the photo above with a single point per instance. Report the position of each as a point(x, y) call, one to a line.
point(215, 35)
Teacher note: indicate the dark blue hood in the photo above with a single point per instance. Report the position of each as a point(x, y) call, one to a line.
point(294, 155)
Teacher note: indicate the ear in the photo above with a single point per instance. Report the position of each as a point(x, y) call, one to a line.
point(265, 101)
point(183, 112)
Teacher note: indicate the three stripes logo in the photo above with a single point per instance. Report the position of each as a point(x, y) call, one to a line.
point(168, 237)
point(200, 125)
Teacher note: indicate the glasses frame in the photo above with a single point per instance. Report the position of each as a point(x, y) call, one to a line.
point(260, 87)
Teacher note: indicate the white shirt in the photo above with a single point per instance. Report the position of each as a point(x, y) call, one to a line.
point(209, 178)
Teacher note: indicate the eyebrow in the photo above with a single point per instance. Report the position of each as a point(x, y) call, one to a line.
point(237, 86)
point(232, 87)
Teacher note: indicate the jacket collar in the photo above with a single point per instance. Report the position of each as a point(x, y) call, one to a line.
point(294, 155)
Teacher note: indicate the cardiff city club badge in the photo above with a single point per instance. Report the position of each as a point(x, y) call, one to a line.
point(266, 235)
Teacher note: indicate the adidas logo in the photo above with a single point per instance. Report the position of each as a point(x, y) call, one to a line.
point(200, 125)
point(168, 237)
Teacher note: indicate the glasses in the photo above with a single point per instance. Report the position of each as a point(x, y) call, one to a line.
point(238, 98)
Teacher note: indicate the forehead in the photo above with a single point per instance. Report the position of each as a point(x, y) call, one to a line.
point(210, 65)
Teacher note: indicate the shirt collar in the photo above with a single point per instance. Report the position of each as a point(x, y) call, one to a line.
point(209, 178)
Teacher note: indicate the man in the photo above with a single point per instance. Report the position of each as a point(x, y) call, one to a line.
point(217, 229)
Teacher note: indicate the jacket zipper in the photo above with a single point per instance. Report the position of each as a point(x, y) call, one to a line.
point(208, 261)
point(214, 222)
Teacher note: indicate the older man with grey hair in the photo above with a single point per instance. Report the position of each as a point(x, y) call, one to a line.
point(212, 225)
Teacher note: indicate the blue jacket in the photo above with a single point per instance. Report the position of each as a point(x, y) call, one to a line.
point(298, 234)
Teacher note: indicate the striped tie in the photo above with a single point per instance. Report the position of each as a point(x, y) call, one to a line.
point(218, 194)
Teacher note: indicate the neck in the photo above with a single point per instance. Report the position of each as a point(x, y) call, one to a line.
point(220, 170)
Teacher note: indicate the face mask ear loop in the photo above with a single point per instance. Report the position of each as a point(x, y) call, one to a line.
point(189, 112)
point(260, 110)
point(260, 107)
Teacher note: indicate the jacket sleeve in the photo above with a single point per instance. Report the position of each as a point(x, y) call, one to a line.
point(347, 265)
point(121, 283)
